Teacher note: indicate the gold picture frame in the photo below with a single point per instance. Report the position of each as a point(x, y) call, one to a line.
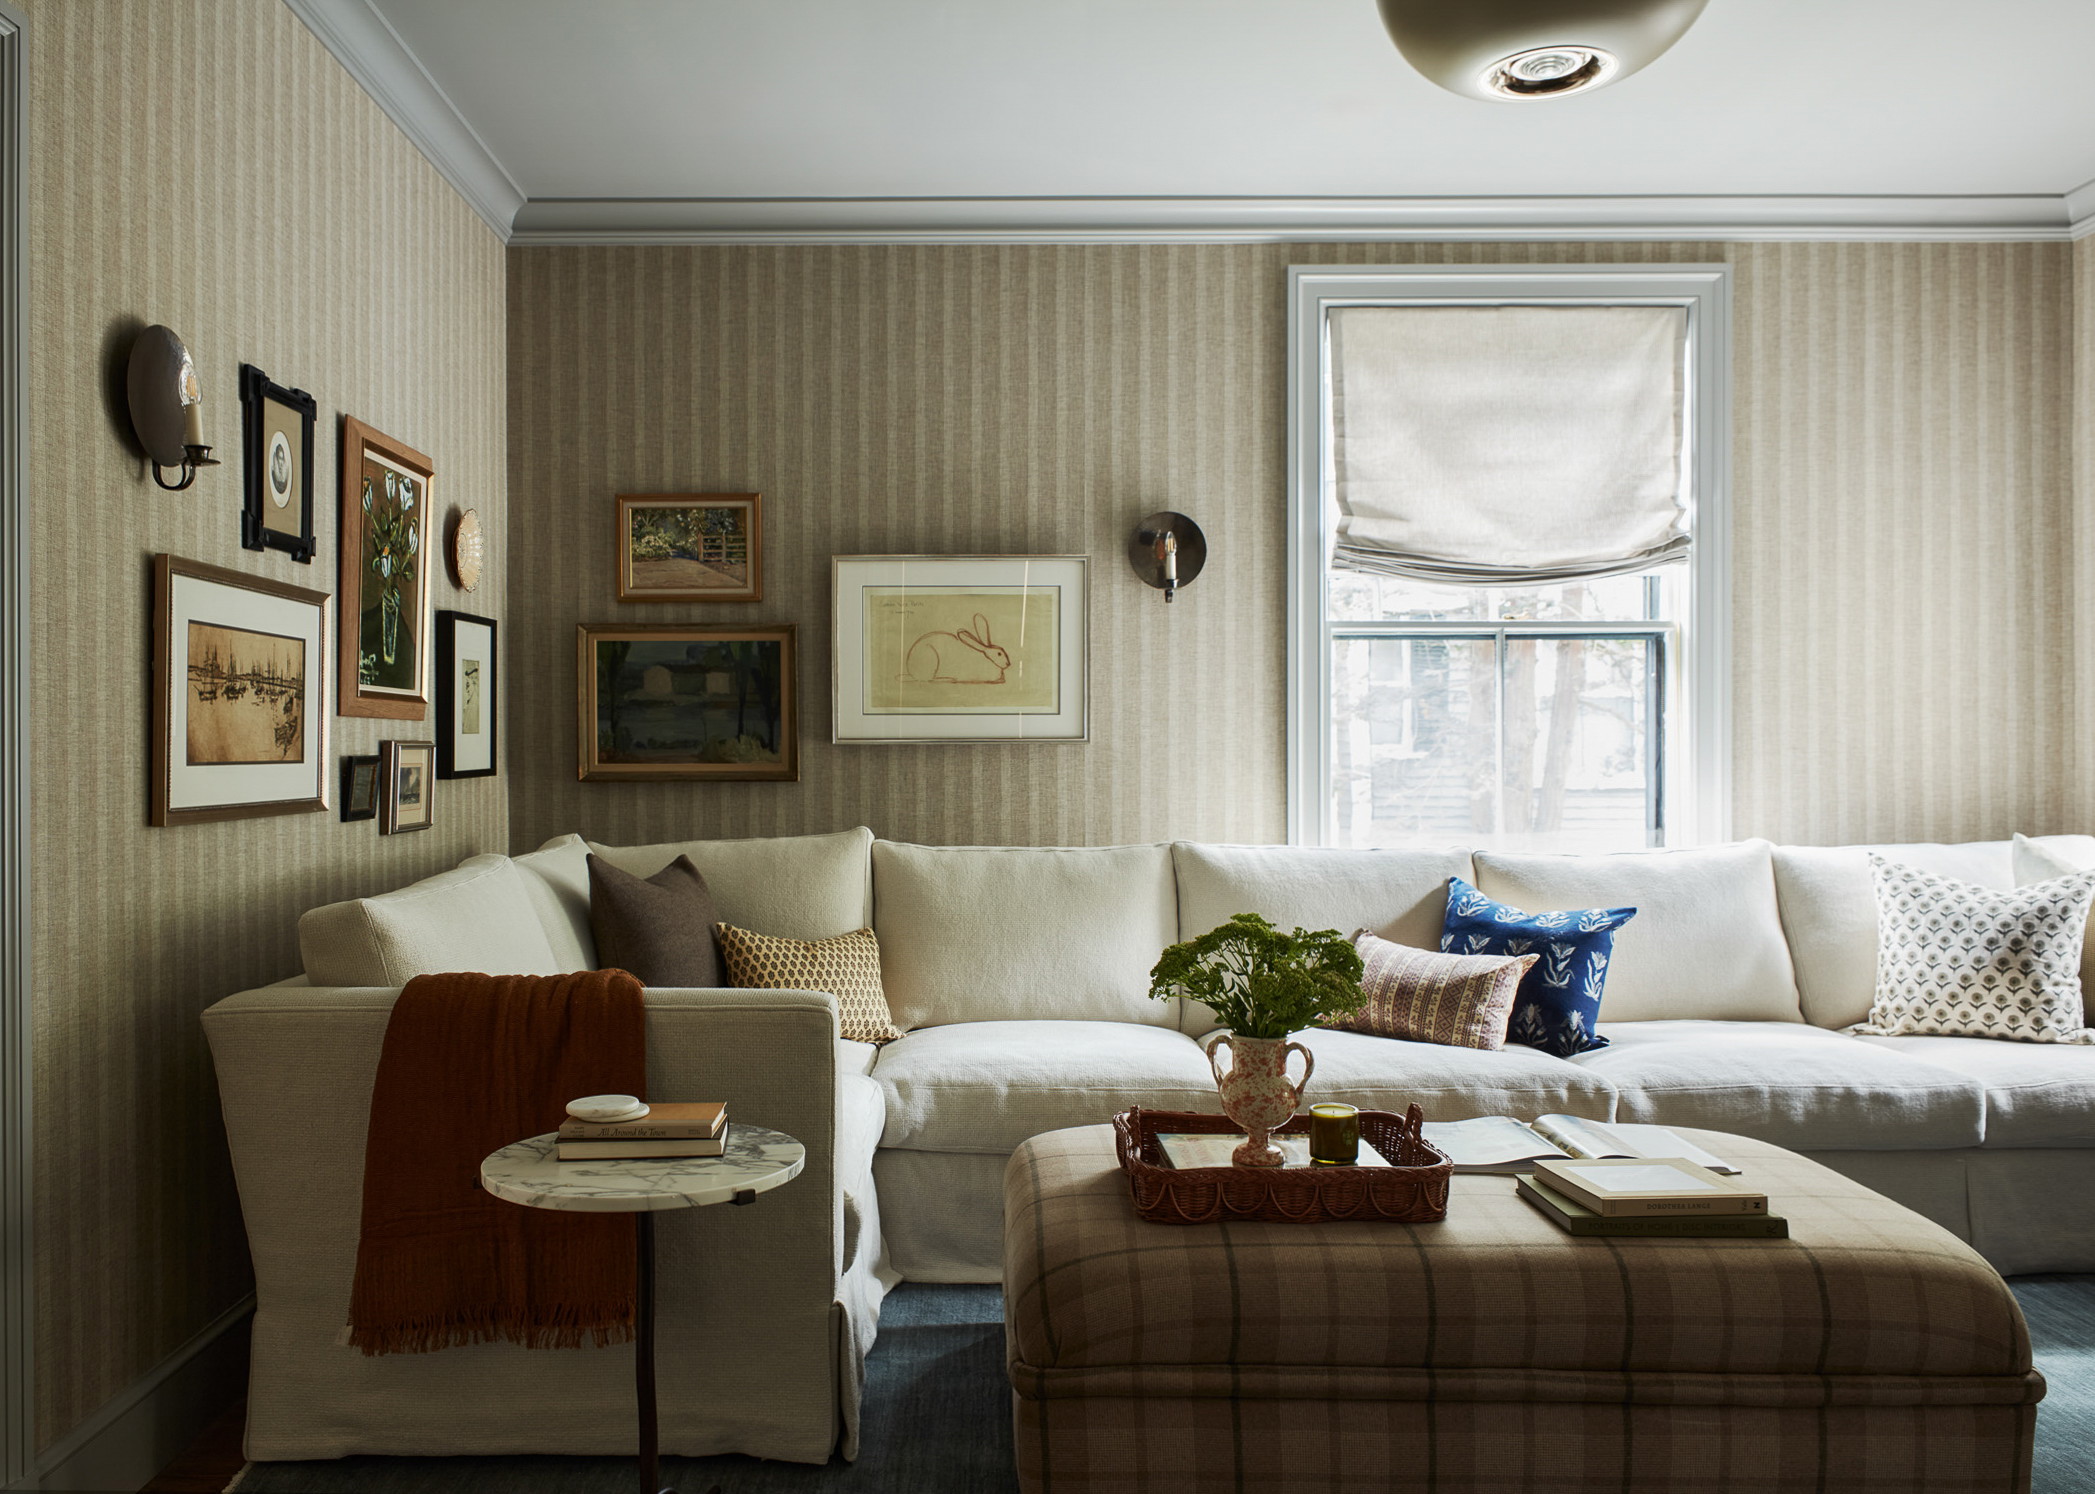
point(690, 547)
point(672, 701)
point(385, 570)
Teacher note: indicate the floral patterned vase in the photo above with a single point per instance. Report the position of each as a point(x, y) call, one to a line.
point(1256, 1093)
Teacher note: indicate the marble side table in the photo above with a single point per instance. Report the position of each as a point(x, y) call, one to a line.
point(526, 1172)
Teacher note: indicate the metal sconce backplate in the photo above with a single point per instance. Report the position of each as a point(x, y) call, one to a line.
point(1191, 550)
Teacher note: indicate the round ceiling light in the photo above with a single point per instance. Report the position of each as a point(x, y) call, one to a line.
point(1522, 50)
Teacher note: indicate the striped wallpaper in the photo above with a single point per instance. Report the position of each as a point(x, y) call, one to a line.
point(2080, 760)
point(230, 180)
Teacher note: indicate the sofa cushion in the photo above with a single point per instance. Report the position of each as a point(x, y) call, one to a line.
point(1449, 1083)
point(556, 876)
point(659, 928)
point(847, 967)
point(2046, 858)
point(477, 917)
point(2037, 1094)
point(795, 886)
point(1421, 995)
point(1794, 1085)
point(1707, 939)
point(1557, 1007)
point(987, 934)
point(987, 1086)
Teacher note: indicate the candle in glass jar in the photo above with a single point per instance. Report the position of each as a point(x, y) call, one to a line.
point(1334, 1135)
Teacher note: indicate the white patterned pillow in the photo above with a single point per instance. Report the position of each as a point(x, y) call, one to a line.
point(1955, 960)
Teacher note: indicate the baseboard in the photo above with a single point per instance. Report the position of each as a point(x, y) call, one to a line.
point(122, 1446)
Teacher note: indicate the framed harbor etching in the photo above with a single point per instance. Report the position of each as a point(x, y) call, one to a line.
point(406, 787)
point(385, 563)
point(960, 648)
point(276, 458)
point(465, 695)
point(688, 702)
point(240, 715)
point(690, 547)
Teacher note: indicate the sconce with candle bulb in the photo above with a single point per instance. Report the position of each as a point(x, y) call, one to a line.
point(166, 400)
point(1167, 551)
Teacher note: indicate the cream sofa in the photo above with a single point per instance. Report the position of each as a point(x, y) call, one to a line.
point(1020, 977)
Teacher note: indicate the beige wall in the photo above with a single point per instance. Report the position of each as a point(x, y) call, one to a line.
point(1901, 464)
point(209, 166)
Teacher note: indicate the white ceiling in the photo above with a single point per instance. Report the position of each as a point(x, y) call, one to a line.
point(1268, 100)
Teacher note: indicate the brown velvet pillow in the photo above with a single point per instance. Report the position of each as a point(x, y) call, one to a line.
point(660, 927)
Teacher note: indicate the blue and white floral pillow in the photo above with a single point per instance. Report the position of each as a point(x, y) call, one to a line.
point(1559, 1001)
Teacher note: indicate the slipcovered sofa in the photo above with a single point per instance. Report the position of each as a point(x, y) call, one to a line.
point(1020, 977)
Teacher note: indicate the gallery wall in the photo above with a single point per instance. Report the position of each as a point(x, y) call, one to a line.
point(1902, 484)
point(209, 166)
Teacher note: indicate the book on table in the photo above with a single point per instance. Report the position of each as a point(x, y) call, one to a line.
point(565, 1150)
point(1213, 1149)
point(683, 1120)
point(1501, 1144)
point(1621, 1187)
point(1576, 1219)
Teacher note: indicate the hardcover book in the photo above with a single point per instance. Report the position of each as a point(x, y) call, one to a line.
point(1501, 1144)
point(565, 1150)
point(671, 1118)
point(1578, 1220)
point(1627, 1187)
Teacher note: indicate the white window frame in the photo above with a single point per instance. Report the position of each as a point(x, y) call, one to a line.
point(1700, 671)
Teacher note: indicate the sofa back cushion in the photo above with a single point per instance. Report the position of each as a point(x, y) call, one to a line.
point(556, 877)
point(793, 886)
point(1398, 895)
point(1707, 940)
point(479, 916)
point(987, 934)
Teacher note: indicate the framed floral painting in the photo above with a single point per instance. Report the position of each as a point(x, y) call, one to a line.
point(384, 595)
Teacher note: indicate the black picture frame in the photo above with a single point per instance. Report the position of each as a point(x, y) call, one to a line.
point(257, 393)
point(354, 768)
point(451, 727)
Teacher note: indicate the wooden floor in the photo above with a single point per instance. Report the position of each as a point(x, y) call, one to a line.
point(211, 1461)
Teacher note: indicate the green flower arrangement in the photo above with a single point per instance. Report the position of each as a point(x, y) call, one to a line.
point(1259, 982)
point(391, 549)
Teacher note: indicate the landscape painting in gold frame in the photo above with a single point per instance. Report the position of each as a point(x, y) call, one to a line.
point(688, 702)
point(690, 547)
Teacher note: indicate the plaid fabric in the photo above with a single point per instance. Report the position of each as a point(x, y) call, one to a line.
point(1491, 1351)
point(1458, 1001)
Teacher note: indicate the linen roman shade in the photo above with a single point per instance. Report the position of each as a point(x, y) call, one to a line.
point(1487, 445)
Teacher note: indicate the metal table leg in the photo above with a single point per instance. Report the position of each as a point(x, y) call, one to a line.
point(644, 1354)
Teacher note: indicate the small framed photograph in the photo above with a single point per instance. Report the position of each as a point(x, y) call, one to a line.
point(960, 648)
point(676, 702)
point(385, 561)
point(690, 547)
point(276, 457)
point(465, 695)
point(239, 695)
point(407, 786)
point(360, 788)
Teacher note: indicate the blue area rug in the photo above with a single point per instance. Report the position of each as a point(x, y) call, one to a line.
point(938, 1420)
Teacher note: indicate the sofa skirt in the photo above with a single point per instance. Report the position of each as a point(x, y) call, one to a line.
point(2024, 1209)
point(942, 1213)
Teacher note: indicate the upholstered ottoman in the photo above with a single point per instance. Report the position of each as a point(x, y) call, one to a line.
point(1872, 1351)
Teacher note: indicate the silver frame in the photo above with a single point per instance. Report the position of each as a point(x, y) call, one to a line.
point(836, 619)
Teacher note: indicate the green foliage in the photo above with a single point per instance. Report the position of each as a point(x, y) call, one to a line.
point(1262, 983)
point(393, 543)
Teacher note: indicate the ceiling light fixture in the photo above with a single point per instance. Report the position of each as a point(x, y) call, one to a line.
point(1521, 50)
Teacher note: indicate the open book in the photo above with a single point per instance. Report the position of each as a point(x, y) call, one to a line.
point(1499, 1143)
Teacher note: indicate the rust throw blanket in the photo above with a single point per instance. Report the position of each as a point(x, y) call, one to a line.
point(470, 1064)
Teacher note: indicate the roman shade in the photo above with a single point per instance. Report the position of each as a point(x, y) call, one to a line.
point(1493, 445)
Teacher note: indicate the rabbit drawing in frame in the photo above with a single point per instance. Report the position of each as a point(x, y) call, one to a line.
point(961, 657)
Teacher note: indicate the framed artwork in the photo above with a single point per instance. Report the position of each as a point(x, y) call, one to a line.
point(690, 547)
point(359, 787)
point(465, 695)
point(239, 695)
point(276, 457)
point(406, 786)
point(385, 566)
point(688, 702)
point(960, 648)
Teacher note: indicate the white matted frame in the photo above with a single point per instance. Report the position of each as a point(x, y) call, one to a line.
point(1702, 751)
point(17, 1307)
point(960, 648)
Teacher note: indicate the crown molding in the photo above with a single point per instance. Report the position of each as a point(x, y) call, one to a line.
point(373, 53)
point(2080, 210)
point(1115, 220)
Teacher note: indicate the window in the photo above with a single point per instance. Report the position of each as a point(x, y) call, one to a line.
point(1460, 674)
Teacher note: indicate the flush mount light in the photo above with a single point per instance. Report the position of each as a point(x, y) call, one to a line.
point(1522, 50)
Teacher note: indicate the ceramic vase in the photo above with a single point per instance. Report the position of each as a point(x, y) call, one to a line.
point(1256, 1093)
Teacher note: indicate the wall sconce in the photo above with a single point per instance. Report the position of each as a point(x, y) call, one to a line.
point(166, 406)
point(1167, 551)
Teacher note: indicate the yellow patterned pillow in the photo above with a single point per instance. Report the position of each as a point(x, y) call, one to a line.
point(847, 967)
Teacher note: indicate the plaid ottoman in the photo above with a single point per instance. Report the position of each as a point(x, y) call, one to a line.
point(1872, 1351)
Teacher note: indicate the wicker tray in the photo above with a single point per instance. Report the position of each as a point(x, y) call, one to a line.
point(1412, 1190)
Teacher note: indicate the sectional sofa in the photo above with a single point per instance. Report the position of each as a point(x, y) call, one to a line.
point(1020, 979)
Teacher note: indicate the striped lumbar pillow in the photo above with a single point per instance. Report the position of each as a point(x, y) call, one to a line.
point(1458, 1001)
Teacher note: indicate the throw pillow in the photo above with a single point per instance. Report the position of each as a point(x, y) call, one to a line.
point(847, 967)
point(1954, 960)
point(2036, 863)
point(660, 927)
point(1458, 1001)
point(1558, 1006)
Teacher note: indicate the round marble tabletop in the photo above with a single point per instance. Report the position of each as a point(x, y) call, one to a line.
point(526, 1172)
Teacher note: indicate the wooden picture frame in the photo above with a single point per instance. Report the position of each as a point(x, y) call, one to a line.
point(360, 787)
point(276, 460)
point(688, 702)
point(690, 547)
point(240, 718)
point(406, 787)
point(468, 700)
point(386, 568)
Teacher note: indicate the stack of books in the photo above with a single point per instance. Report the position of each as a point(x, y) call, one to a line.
point(667, 1130)
point(1654, 1196)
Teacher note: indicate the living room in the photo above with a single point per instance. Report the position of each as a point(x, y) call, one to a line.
point(962, 286)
